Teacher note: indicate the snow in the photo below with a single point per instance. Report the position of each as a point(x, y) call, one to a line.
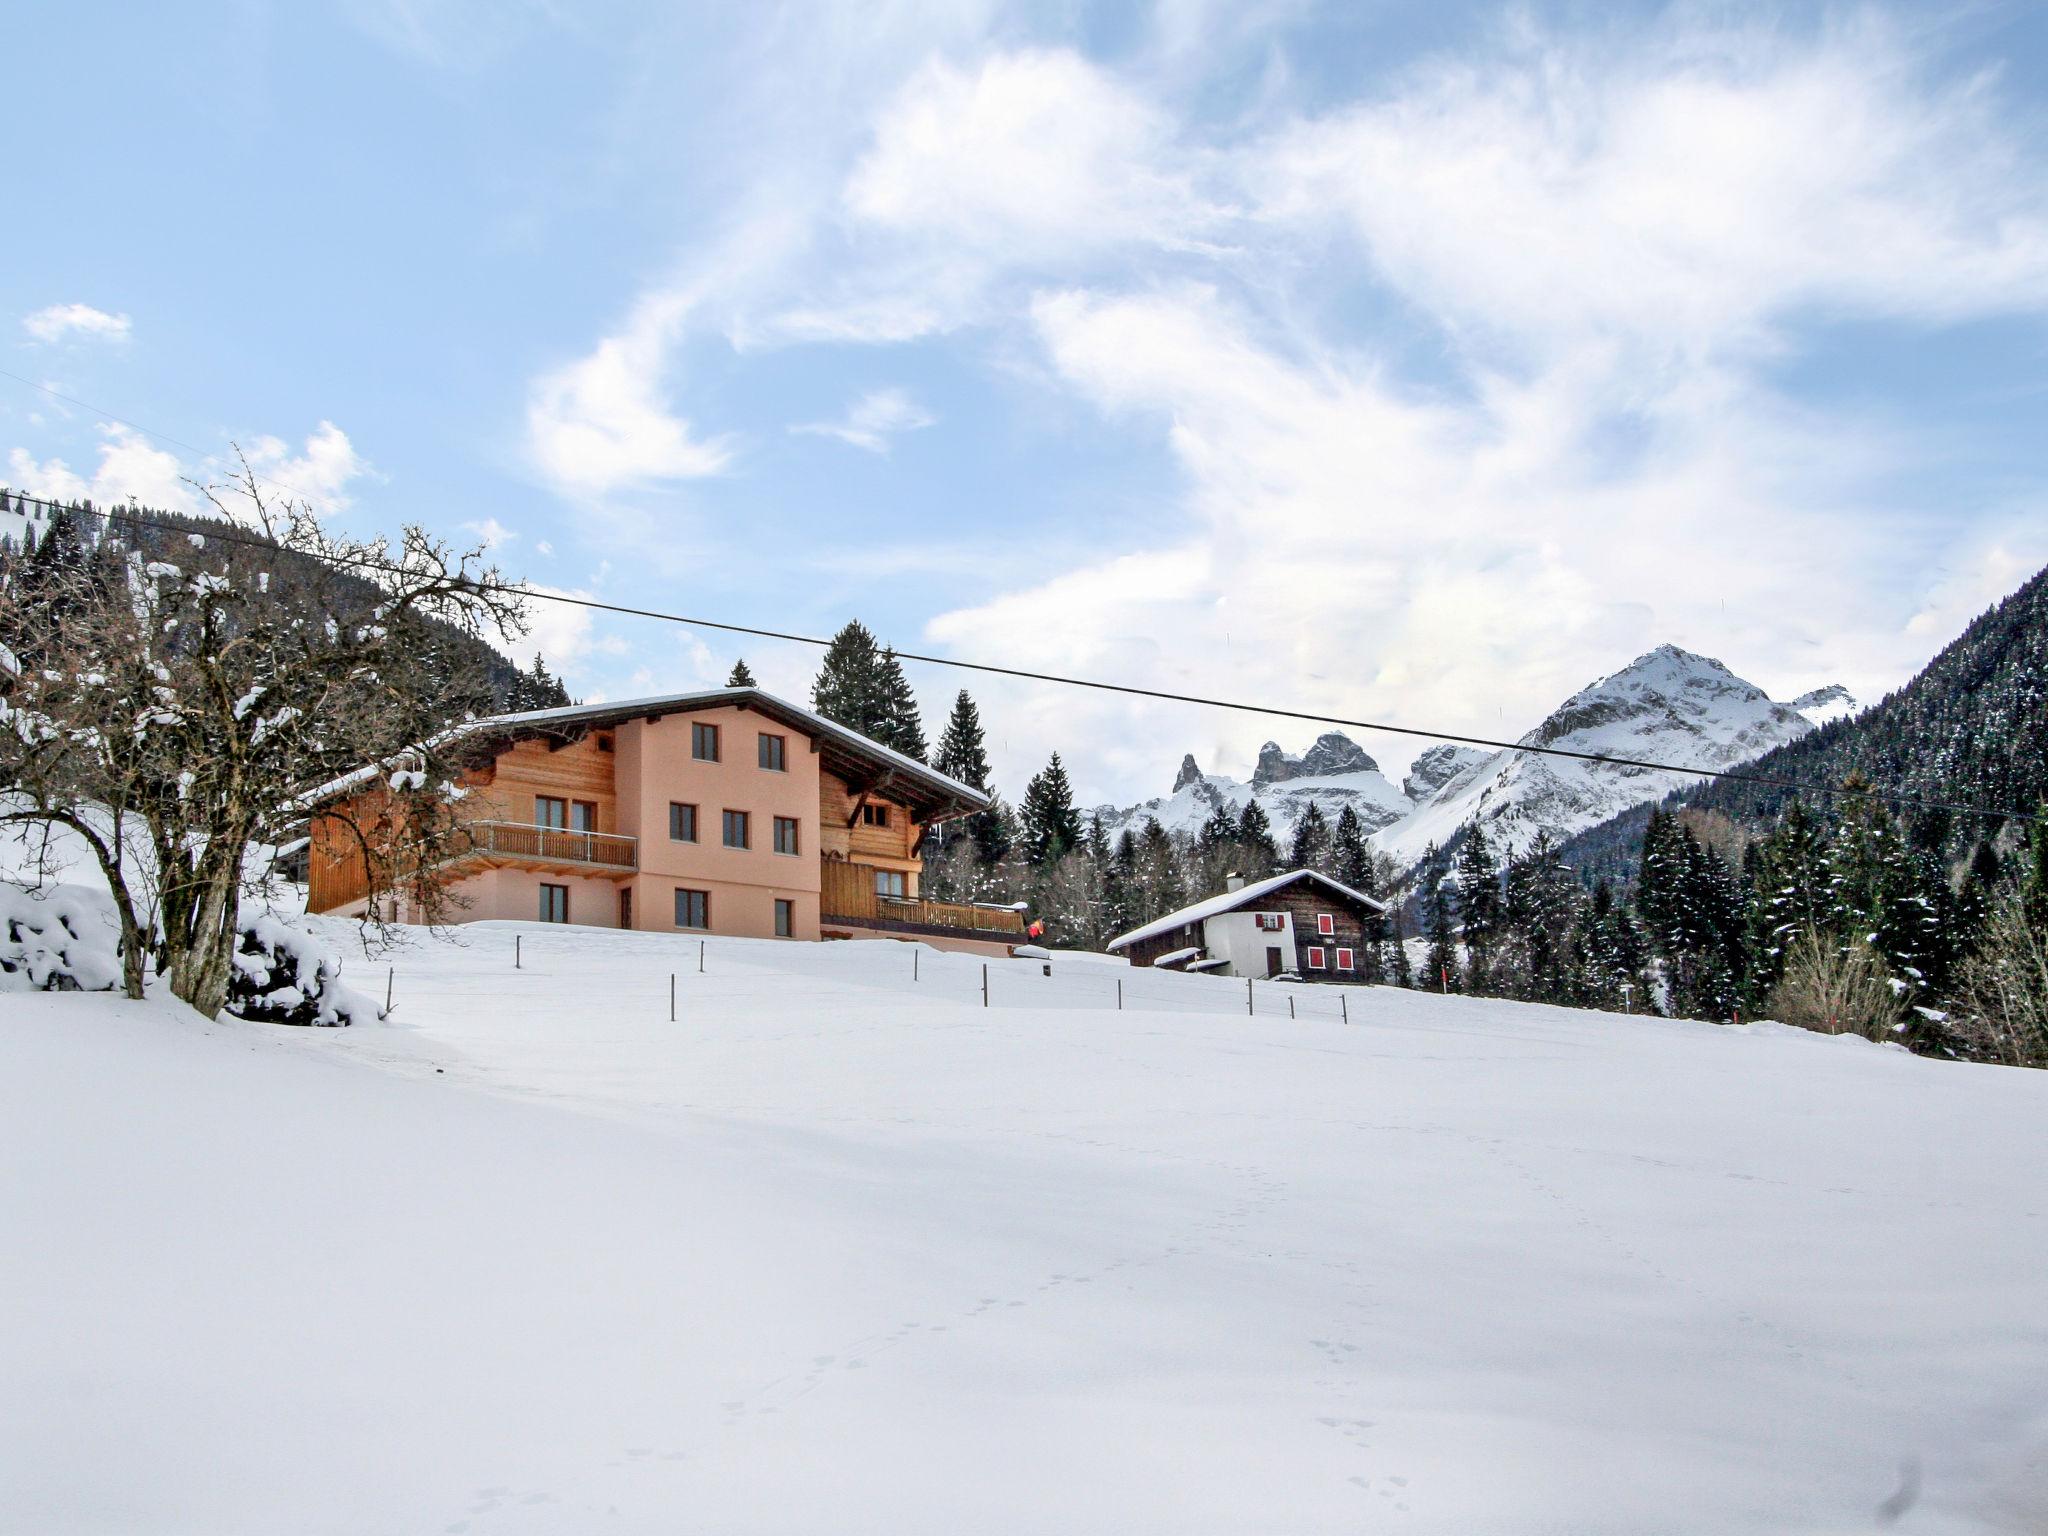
point(1177, 956)
point(1230, 901)
point(840, 1251)
point(62, 934)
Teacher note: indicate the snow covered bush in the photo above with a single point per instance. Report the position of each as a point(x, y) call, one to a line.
point(286, 975)
point(1838, 989)
point(60, 938)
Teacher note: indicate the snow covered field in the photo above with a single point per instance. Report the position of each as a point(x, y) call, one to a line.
point(838, 1251)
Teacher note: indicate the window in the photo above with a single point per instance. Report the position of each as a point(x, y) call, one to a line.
point(548, 811)
point(785, 835)
point(703, 742)
point(874, 815)
point(693, 909)
point(1270, 922)
point(682, 823)
point(1345, 960)
point(554, 903)
point(625, 906)
point(583, 816)
point(736, 829)
point(1315, 958)
point(785, 918)
point(891, 882)
point(1326, 925)
point(771, 752)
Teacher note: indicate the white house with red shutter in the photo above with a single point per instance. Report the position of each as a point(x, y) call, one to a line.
point(1301, 922)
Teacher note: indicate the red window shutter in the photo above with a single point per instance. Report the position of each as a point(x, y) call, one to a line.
point(1315, 957)
point(1344, 960)
point(1325, 923)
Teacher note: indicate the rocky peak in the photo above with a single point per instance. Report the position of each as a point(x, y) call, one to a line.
point(1333, 753)
point(1189, 773)
point(1436, 767)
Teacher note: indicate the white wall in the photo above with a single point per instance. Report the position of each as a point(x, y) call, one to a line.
point(1237, 938)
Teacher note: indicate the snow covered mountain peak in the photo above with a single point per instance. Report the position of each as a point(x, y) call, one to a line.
point(1820, 705)
point(1190, 773)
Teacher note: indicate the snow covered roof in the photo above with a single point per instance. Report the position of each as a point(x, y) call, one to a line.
point(794, 715)
point(851, 743)
point(1209, 964)
point(1176, 957)
point(1230, 901)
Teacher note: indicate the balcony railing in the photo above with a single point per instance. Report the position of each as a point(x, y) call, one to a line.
point(848, 895)
point(554, 845)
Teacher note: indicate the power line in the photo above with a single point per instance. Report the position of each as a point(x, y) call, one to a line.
point(1768, 781)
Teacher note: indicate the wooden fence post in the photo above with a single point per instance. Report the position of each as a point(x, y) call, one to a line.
point(390, 976)
point(671, 997)
point(1119, 994)
point(1344, 1003)
point(515, 950)
point(984, 983)
point(1250, 1008)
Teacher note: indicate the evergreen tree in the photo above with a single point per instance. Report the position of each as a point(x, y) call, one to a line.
point(1258, 855)
point(1312, 846)
point(536, 688)
point(1122, 898)
point(1440, 970)
point(1162, 881)
point(1401, 970)
point(1350, 856)
point(741, 677)
point(963, 750)
point(849, 687)
point(1049, 825)
point(1790, 896)
point(902, 728)
point(1479, 907)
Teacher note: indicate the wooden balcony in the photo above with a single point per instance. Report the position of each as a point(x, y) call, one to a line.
point(520, 842)
point(847, 896)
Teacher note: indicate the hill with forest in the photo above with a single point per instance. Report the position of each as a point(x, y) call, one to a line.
point(36, 533)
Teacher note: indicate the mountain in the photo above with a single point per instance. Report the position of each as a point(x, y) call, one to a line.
point(1971, 729)
point(1668, 706)
point(1334, 772)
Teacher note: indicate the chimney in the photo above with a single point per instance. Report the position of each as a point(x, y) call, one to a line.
point(1233, 881)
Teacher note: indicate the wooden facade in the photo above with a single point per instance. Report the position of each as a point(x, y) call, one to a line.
point(1301, 946)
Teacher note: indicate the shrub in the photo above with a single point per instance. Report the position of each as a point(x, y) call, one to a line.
point(1838, 988)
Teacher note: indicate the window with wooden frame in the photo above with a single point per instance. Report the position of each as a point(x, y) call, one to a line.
point(892, 882)
point(773, 749)
point(1326, 924)
point(1270, 922)
point(682, 822)
point(583, 815)
point(554, 903)
point(550, 811)
point(874, 814)
point(785, 835)
point(703, 742)
point(1316, 958)
point(693, 909)
point(737, 826)
point(1346, 961)
point(785, 918)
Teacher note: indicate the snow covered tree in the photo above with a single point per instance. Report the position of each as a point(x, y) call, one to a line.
point(210, 693)
point(1162, 878)
point(741, 676)
point(1440, 970)
point(1049, 825)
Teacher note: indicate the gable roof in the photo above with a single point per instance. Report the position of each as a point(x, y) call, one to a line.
point(861, 761)
point(1230, 901)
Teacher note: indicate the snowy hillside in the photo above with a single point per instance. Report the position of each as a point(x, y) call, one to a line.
point(840, 1250)
point(1668, 706)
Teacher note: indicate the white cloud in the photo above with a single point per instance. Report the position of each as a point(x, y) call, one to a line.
point(492, 534)
point(872, 420)
point(130, 469)
point(56, 321)
point(318, 474)
point(1034, 151)
point(1682, 193)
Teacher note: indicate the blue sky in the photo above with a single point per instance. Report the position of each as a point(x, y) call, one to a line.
point(1414, 363)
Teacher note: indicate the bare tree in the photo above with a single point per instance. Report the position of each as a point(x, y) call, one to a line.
point(209, 691)
point(1837, 989)
point(2002, 993)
